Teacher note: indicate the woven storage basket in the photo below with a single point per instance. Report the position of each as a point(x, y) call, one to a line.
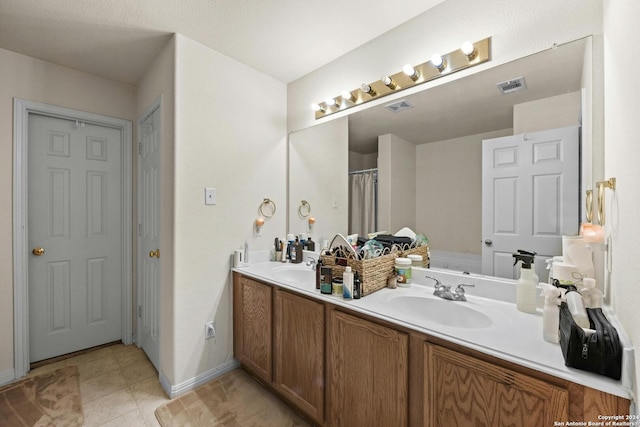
point(373, 272)
point(420, 250)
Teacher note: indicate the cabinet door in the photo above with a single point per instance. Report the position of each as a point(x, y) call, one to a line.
point(462, 390)
point(299, 352)
point(252, 325)
point(368, 373)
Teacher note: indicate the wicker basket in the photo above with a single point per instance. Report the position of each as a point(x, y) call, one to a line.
point(373, 272)
point(420, 250)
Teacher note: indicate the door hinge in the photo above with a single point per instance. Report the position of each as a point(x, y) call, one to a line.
point(139, 230)
point(139, 311)
point(139, 148)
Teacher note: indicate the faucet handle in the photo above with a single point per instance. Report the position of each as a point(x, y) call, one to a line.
point(461, 286)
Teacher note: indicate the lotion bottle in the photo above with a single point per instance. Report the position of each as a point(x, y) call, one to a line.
point(526, 287)
point(550, 313)
point(347, 283)
point(576, 307)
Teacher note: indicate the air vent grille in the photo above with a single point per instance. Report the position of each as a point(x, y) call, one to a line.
point(513, 85)
point(396, 107)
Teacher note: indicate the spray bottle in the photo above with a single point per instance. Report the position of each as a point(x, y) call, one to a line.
point(550, 313)
point(527, 283)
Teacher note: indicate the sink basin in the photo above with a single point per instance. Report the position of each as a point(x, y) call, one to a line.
point(299, 275)
point(443, 312)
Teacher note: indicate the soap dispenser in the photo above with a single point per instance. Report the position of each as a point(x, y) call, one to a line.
point(527, 283)
point(550, 313)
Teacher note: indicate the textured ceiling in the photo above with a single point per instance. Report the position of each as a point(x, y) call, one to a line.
point(117, 39)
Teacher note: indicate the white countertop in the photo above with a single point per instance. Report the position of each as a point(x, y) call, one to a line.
point(513, 336)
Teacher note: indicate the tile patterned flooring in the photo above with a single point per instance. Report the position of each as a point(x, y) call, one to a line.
point(118, 385)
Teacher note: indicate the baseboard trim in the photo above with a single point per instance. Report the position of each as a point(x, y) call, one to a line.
point(188, 385)
point(7, 376)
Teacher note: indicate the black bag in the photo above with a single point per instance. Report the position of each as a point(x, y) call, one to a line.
point(600, 352)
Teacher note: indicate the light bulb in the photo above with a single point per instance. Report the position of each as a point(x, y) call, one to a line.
point(367, 89)
point(438, 62)
point(330, 102)
point(317, 107)
point(468, 49)
point(411, 72)
point(388, 82)
point(346, 95)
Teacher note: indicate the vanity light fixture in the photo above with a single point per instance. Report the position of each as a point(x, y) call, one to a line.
point(411, 72)
point(367, 89)
point(330, 102)
point(438, 62)
point(388, 82)
point(468, 55)
point(469, 50)
point(318, 108)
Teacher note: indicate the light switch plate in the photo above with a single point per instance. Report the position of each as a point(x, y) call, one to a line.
point(210, 196)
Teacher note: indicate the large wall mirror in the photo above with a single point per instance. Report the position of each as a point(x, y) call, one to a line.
point(424, 154)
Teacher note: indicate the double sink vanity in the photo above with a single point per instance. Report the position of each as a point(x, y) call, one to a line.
point(403, 356)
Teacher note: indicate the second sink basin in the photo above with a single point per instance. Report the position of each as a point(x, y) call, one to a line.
point(443, 312)
point(299, 275)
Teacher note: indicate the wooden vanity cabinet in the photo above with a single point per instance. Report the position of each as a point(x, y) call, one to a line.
point(252, 326)
point(462, 390)
point(298, 349)
point(367, 373)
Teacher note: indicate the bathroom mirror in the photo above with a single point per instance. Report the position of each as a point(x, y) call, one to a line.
point(445, 125)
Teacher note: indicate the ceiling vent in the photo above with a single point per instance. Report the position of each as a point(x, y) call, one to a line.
point(512, 85)
point(396, 107)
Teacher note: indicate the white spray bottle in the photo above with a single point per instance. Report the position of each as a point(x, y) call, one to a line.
point(527, 283)
point(550, 313)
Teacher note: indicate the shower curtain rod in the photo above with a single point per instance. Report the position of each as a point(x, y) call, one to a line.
point(364, 171)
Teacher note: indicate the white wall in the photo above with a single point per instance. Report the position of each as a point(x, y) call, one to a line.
point(396, 183)
point(358, 162)
point(622, 154)
point(449, 192)
point(35, 80)
point(230, 134)
point(315, 154)
point(517, 28)
point(158, 81)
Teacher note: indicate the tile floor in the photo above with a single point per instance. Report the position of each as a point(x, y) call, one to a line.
point(118, 385)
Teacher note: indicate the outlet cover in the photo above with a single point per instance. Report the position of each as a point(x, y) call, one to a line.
point(209, 330)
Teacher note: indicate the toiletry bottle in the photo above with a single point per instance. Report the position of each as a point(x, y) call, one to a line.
point(326, 280)
point(296, 252)
point(347, 283)
point(526, 287)
point(550, 313)
point(592, 296)
point(311, 245)
point(533, 267)
point(357, 286)
point(284, 252)
point(246, 252)
point(319, 265)
point(576, 307)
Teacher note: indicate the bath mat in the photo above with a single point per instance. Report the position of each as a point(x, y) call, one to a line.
point(48, 399)
point(233, 399)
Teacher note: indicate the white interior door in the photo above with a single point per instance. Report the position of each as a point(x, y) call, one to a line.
point(530, 197)
point(149, 209)
point(75, 234)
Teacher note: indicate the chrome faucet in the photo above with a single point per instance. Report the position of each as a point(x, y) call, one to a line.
point(459, 292)
point(311, 262)
point(444, 291)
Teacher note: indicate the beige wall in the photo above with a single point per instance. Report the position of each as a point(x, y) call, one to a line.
point(622, 154)
point(159, 80)
point(35, 80)
point(230, 134)
point(449, 192)
point(396, 183)
point(548, 113)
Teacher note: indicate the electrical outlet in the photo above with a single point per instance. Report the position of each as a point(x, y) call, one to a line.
point(209, 330)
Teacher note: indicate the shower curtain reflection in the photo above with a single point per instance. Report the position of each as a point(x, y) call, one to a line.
point(363, 201)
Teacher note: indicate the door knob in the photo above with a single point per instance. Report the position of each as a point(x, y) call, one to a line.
point(488, 242)
point(38, 251)
point(155, 253)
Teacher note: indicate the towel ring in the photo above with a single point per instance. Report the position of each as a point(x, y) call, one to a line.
point(304, 210)
point(589, 203)
point(270, 204)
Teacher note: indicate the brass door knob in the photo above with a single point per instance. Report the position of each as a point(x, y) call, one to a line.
point(38, 251)
point(155, 253)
